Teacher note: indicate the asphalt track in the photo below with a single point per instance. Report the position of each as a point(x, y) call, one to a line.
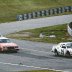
point(6, 28)
point(33, 55)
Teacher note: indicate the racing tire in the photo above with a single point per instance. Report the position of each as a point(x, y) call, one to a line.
point(67, 54)
point(56, 53)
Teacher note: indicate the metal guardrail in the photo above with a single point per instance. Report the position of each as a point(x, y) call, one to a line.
point(42, 13)
point(69, 27)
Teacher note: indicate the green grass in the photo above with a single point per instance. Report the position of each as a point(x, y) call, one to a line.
point(10, 8)
point(40, 71)
point(60, 31)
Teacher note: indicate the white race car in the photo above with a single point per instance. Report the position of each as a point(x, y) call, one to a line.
point(64, 49)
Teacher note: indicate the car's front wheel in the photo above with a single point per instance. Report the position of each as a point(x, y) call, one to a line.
point(67, 54)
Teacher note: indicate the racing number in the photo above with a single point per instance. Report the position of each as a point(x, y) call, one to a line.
point(62, 51)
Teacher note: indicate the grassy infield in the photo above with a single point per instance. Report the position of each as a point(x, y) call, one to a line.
point(60, 31)
point(41, 71)
point(10, 8)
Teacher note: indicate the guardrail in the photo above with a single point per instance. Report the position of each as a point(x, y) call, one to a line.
point(42, 13)
point(70, 28)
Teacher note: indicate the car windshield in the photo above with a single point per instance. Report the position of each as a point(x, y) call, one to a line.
point(5, 41)
point(69, 45)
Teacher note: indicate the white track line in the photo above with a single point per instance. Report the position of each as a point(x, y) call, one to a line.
point(35, 50)
point(22, 65)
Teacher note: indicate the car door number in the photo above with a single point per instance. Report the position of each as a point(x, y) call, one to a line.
point(62, 51)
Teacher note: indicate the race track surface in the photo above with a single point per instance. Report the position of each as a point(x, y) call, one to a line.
point(33, 55)
point(6, 28)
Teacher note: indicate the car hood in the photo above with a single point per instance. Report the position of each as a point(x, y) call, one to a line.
point(8, 44)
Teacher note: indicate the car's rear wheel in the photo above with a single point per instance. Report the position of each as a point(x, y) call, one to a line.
point(56, 52)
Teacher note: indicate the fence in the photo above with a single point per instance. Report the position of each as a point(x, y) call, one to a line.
point(70, 29)
point(42, 13)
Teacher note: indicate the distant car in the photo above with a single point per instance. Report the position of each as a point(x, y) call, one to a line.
point(64, 49)
point(7, 46)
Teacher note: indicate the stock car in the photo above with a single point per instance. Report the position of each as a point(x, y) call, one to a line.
point(63, 49)
point(7, 46)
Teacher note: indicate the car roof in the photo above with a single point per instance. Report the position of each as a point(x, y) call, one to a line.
point(65, 43)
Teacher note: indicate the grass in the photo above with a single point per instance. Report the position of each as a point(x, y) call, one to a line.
point(60, 31)
point(10, 8)
point(40, 71)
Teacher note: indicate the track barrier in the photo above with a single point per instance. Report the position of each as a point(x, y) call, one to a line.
point(48, 12)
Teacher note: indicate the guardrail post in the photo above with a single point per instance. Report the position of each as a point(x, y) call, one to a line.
point(42, 13)
point(34, 15)
point(60, 10)
point(47, 12)
point(51, 11)
point(71, 8)
point(30, 15)
point(38, 14)
point(25, 16)
point(63, 10)
point(19, 17)
point(66, 9)
point(55, 11)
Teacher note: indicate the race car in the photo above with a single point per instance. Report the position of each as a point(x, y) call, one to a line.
point(7, 46)
point(64, 49)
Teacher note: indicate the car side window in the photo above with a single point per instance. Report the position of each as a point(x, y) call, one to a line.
point(64, 47)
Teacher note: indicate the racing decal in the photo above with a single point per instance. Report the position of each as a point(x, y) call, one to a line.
point(62, 51)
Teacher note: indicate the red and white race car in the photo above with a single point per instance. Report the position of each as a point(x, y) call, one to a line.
point(6, 45)
point(64, 49)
